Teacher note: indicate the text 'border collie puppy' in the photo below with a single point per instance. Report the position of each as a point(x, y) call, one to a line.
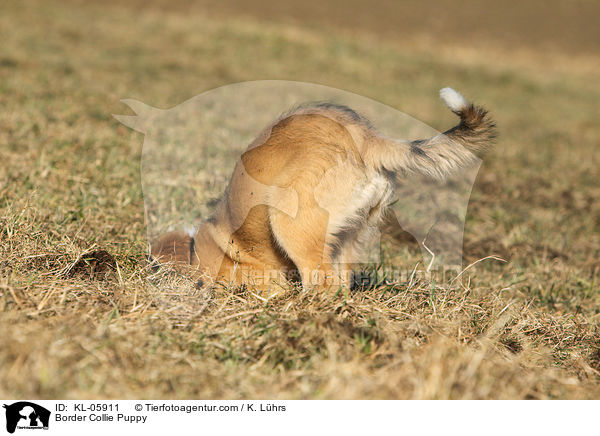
point(250, 240)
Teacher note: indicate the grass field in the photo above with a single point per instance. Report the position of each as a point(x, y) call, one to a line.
point(70, 184)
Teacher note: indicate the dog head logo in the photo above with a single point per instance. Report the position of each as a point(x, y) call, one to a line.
point(191, 150)
point(26, 415)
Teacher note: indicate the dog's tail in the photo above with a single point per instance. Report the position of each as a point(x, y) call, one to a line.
point(476, 130)
point(443, 154)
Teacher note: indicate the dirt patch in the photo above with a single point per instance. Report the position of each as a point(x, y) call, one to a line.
point(96, 265)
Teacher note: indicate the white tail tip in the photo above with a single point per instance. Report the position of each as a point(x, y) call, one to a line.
point(453, 99)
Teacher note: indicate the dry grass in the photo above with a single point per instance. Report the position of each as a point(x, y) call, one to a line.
point(103, 326)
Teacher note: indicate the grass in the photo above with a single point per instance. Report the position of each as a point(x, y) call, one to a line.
point(103, 326)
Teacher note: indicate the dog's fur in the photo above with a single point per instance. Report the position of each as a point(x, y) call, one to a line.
point(342, 171)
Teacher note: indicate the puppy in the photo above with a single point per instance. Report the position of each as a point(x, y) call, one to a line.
point(308, 191)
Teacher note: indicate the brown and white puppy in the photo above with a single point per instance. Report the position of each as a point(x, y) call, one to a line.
point(335, 172)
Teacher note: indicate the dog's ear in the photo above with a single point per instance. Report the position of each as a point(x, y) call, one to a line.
point(173, 247)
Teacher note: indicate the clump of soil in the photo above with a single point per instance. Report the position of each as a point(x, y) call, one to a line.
point(94, 264)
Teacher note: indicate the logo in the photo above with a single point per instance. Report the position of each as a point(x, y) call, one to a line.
point(26, 415)
point(191, 150)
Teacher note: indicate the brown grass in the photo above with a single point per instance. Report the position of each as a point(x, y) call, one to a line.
point(83, 317)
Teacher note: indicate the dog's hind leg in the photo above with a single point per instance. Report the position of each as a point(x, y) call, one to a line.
point(305, 241)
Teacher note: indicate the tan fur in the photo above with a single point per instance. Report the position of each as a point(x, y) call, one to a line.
point(341, 170)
